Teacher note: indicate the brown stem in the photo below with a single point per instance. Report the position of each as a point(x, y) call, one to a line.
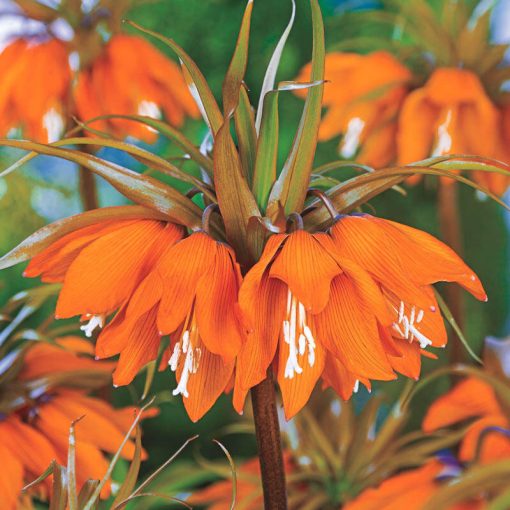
point(450, 228)
point(267, 430)
point(88, 190)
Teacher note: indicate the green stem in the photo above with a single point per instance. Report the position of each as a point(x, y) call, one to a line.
point(267, 430)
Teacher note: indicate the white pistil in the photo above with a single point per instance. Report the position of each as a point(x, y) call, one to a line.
point(95, 321)
point(298, 335)
point(351, 140)
point(410, 331)
point(356, 386)
point(191, 360)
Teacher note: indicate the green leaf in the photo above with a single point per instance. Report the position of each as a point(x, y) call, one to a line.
point(72, 494)
point(48, 234)
point(86, 491)
point(236, 202)
point(267, 150)
point(246, 135)
point(291, 187)
point(199, 87)
point(272, 68)
point(453, 323)
point(141, 189)
point(167, 131)
point(58, 499)
point(237, 68)
point(232, 470)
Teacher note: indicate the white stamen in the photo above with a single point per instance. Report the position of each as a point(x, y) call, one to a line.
point(444, 139)
point(351, 140)
point(410, 331)
point(95, 321)
point(356, 386)
point(191, 362)
point(298, 336)
point(53, 124)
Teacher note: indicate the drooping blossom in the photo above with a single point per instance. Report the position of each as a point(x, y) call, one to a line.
point(453, 114)
point(132, 77)
point(156, 283)
point(34, 425)
point(473, 401)
point(412, 489)
point(35, 88)
point(362, 96)
point(191, 295)
point(351, 305)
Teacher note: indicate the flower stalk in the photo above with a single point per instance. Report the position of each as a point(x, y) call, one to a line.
point(449, 221)
point(269, 444)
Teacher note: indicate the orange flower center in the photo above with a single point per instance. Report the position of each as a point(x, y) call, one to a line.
point(186, 349)
point(407, 324)
point(298, 335)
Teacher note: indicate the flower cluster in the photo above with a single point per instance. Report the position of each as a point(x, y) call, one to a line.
point(344, 306)
point(39, 403)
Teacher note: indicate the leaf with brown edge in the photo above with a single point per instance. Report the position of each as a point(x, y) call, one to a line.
point(237, 203)
point(143, 156)
point(358, 190)
point(237, 68)
point(142, 189)
point(199, 86)
point(168, 131)
point(291, 187)
point(48, 234)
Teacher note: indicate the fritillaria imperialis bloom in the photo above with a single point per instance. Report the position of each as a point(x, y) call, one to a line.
point(348, 306)
point(452, 114)
point(149, 84)
point(38, 409)
point(159, 284)
point(473, 401)
point(412, 489)
point(40, 110)
point(363, 96)
point(47, 80)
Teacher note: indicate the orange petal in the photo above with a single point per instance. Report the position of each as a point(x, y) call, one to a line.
point(180, 269)
point(415, 133)
point(11, 478)
point(306, 268)
point(206, 384)
point(470, 398)
point(259, 348)
point(348, 329)
point(297, 390)
point(106, 272)
point(215, 305)
point(428, 260)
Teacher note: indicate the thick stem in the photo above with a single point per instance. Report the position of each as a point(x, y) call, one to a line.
point(450, 228)
point(269, 444)
point(88, 190)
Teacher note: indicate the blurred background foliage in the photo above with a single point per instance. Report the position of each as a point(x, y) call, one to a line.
point(46, 190)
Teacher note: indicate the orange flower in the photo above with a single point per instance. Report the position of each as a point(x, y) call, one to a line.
point(159, 286)
point(132, 77)
point(36, 431)
point(410, 489)
point(362, 96)
point(475, 400)
point(353, 305)
point(191, 295)
point(35, 85)
point(452, 114)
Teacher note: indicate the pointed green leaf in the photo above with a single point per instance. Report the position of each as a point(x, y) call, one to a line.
point(141, 189)
point(291, 187)
point(246, 135)
point(200, 86)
